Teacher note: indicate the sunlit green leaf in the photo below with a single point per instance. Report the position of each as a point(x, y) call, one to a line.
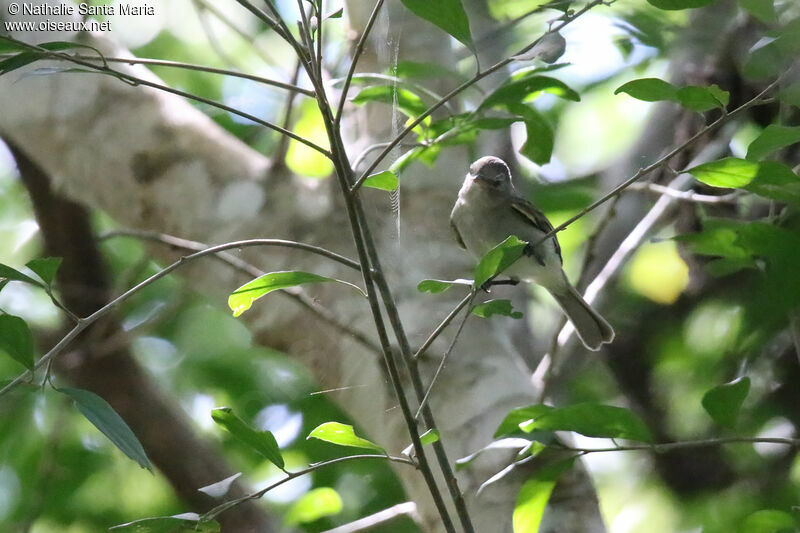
point(724, 401)
point(515, 92)
point(13, 274)
point(242, 298)
point(45, 268)
point(16, 339)
point(336, 14)
point(649, 90)
point(496, 307)
point(679, 4)
point(774, 137)
point(261, 441)
point(429, 437)
point(448, 15)
point(313, 505)
point(110, 424)
point(385, 181)
point(589, 419)
point(498, 259)
point(180, 523)
point(407, 102)
point(343, 435)
point(435, 286)
point(702, 98)
point(533, 497)
point(769, 521)
point(730, 172)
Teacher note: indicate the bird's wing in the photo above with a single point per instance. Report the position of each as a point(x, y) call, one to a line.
point(533, 216)
point(458, 234)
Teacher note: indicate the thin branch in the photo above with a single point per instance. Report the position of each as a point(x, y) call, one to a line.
point(139, 81)
point(83, 323)
point(295, 293)
point(381, 517)
point(669, 446)
point(424, 401)
point(199, 68)
point(279, 155)
point(275, 24)
point(665, 159)
point(446, 98)
point(356, 55)
point(320, 25)
point(444, 323)
point(372, 147)
point(216, 511)
point(686, 196)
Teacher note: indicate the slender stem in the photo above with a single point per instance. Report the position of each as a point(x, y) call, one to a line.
point(279, 155)
point(446, 98)
point(83, 323)
point(216, 511)
point(686, 196)
point(139, 81)
point(678, 149)
point(243, 266)
point(274, 24)
point(369, 269)
point(320, 25)
point(199, 68)
point(446, 355)
point(669, 446)
point(356, 55)
point(443, 324)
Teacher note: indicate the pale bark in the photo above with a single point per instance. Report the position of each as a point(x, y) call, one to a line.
point(152, 161)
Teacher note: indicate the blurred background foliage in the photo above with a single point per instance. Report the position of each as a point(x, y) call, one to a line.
point(693, 312)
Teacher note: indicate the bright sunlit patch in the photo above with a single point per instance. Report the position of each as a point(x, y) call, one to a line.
point(713, 327)
point(304, 160)
point(137, 30)
point(778, 428)
point(281, 421)
point(201, 407)
point(658, 272)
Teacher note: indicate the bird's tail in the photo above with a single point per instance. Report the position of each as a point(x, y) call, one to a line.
point(592, 328)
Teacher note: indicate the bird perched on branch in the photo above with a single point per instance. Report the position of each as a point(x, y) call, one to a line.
point(489, 210)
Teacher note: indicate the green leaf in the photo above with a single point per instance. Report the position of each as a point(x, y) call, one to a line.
point(729, 172)
point(242, 298)
point(435, 286)
point(12, 274)
point(538, 146)
point(16, 339)
point(179, 523)
point(261, 441)
point(407, 102)
point(774, 137)
point(589, 419)
point(496, 307)
point(671, 5)
point(313, 505)
point(18, 61)
point(429, 437)
point(768, 521)
point(45, 268)
point(498, 259)
point(763, 10)
point(724, 401)
point(534, 494)
point(336, 14)
point(702, 99)
point(776, 181)
point(449, 15)
point(385, 181)
point(103, 417)
point(343, 435)
point(649, 90)
point(527, 88)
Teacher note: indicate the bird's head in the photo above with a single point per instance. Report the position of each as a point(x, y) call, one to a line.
point(491, 173)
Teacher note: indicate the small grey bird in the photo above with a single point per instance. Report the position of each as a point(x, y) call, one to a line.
point(488, 210)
